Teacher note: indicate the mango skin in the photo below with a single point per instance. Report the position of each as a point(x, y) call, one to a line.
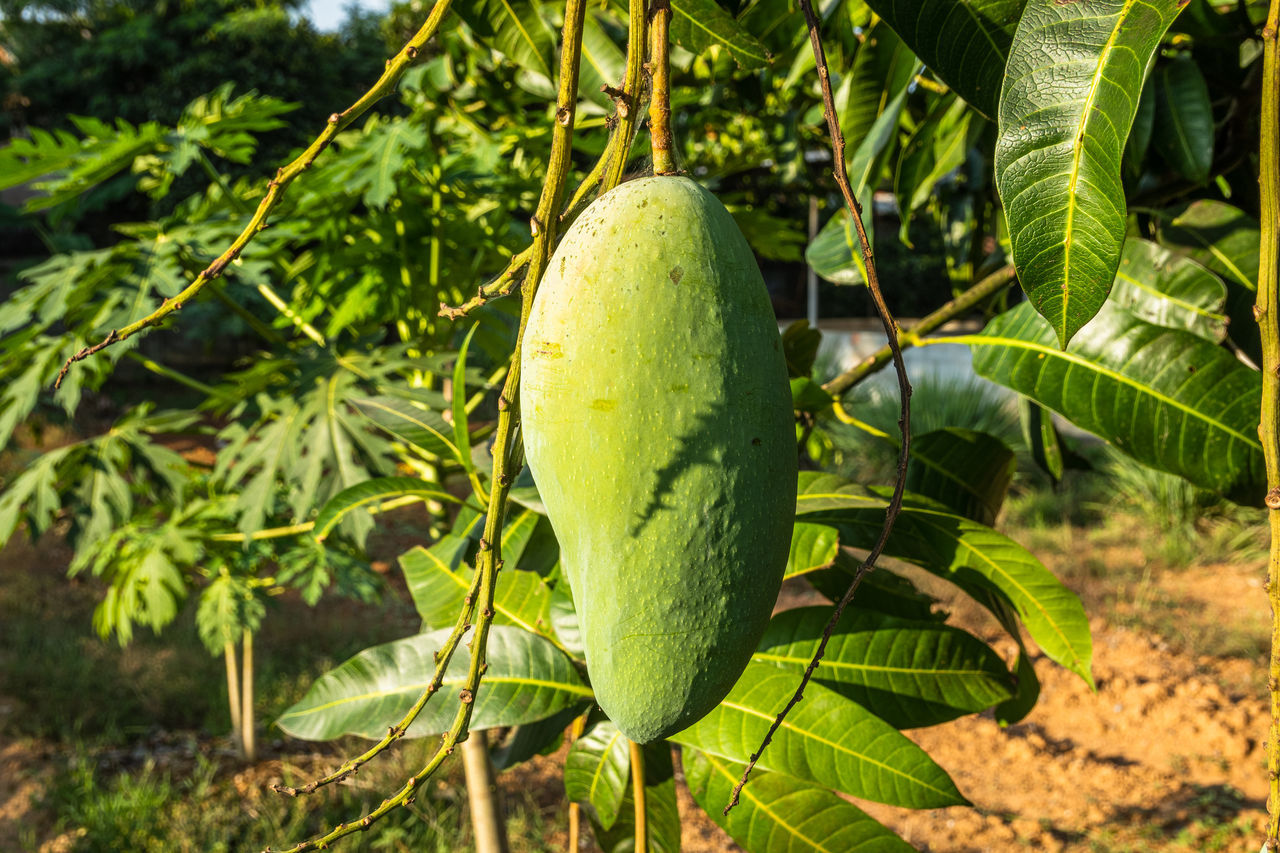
point(658, 427)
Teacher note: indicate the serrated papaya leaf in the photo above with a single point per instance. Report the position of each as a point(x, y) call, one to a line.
point(826, 739)
point(1070, 94)
point(907, 673)
point(371, 493)
point(527, 679)
point(965, 43)
point(1166, 397)
point(522, 599)
point(781, 814)
point(960, 550)
point(813, 547)
point(597, 771)
point(1169, 290)
point(968, 471)
point(662, 814)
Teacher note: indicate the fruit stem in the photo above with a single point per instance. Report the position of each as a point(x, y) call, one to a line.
point(638, 794)
point(660, 102)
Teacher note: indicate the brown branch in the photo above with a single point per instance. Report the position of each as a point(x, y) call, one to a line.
point(276, 187)
point(660, 101)
point(904, 387)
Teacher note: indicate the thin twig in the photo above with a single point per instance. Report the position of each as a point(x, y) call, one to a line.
point(904, 387)
point(1267, 312)
point(507, 454)
point(396, 66)
point(907, 338)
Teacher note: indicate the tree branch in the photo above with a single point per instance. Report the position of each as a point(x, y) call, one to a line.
point(396, 66)
point(891, 332)
point(660, 101)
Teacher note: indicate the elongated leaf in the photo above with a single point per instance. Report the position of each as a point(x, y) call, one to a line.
point(527, 679)
point(516, 29)
point(882, 591)
point(597, 771)
point(1224, 239)
point(458, 404)
point(907, 673)
point(780, 814)
point(522, 599)
point(965, 43)
point(1070, 94)
point(968, 471)
point(1184, 119)
point(826, 739)
point(1135, 149)
point(564, 618)
point(813, 547)
point(699, 24)
point(1041, 435)
point(422, 429)
point(369, 494)
point(662, 814)
point(1167, 290)
point(882, 67)
point(962, 551)
point(936, 148)
point(1166, 397)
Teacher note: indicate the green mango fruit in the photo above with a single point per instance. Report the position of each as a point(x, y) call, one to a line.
point(659, 430)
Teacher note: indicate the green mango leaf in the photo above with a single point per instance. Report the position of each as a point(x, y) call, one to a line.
point(1041, 435)
point(813, 547)
point(458, 404)
point(527, 679)
point(699, 24)
point(800, 344)
point(369, 494)
point(965, 43)
point(515, 28)
point(809, 396)
point(438, 588)
point(881, 591)
point(1026, 693)
point(1166, 397)
point(936, 148)
point(967, 471)
point(882, 68)
point(662, 814)
point(1168, 290)
point(597, 771)
point(1183, 131)
point(907, 673)
point(1144, 122)
point(603, 62)
point(781, 814)
point(827, 739)
point(959, 550)
point(1225, 239)
point(564, 618)
point(424, 430)
point(1070, 95)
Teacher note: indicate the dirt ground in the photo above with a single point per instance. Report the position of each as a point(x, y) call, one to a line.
point(1167, 755)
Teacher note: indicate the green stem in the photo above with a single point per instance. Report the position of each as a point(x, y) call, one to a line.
point(508, 456)
point(246, 699)
point(181, 378)
point(660, 101)
point(1267, 310)
point(628, 100)
point(638, 794)
point(276, 188)
point(233, 689)
point(269, 294)
point(881, 358)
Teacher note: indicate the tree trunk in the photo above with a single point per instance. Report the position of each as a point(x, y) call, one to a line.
point(246, 698)
point(487, 820)
point(233, 692)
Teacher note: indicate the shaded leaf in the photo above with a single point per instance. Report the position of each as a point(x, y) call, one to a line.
point(662, 814)
point(699, 24)
point(597, 771)
point(907, 673)
point(527, 679)
point(1169, 290)
point(1184, 118)
point(967, 471)
point(781, 814)
point(826, 739)
point(370, 494)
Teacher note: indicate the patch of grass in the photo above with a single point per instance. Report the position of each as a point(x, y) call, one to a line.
point(205, 807)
